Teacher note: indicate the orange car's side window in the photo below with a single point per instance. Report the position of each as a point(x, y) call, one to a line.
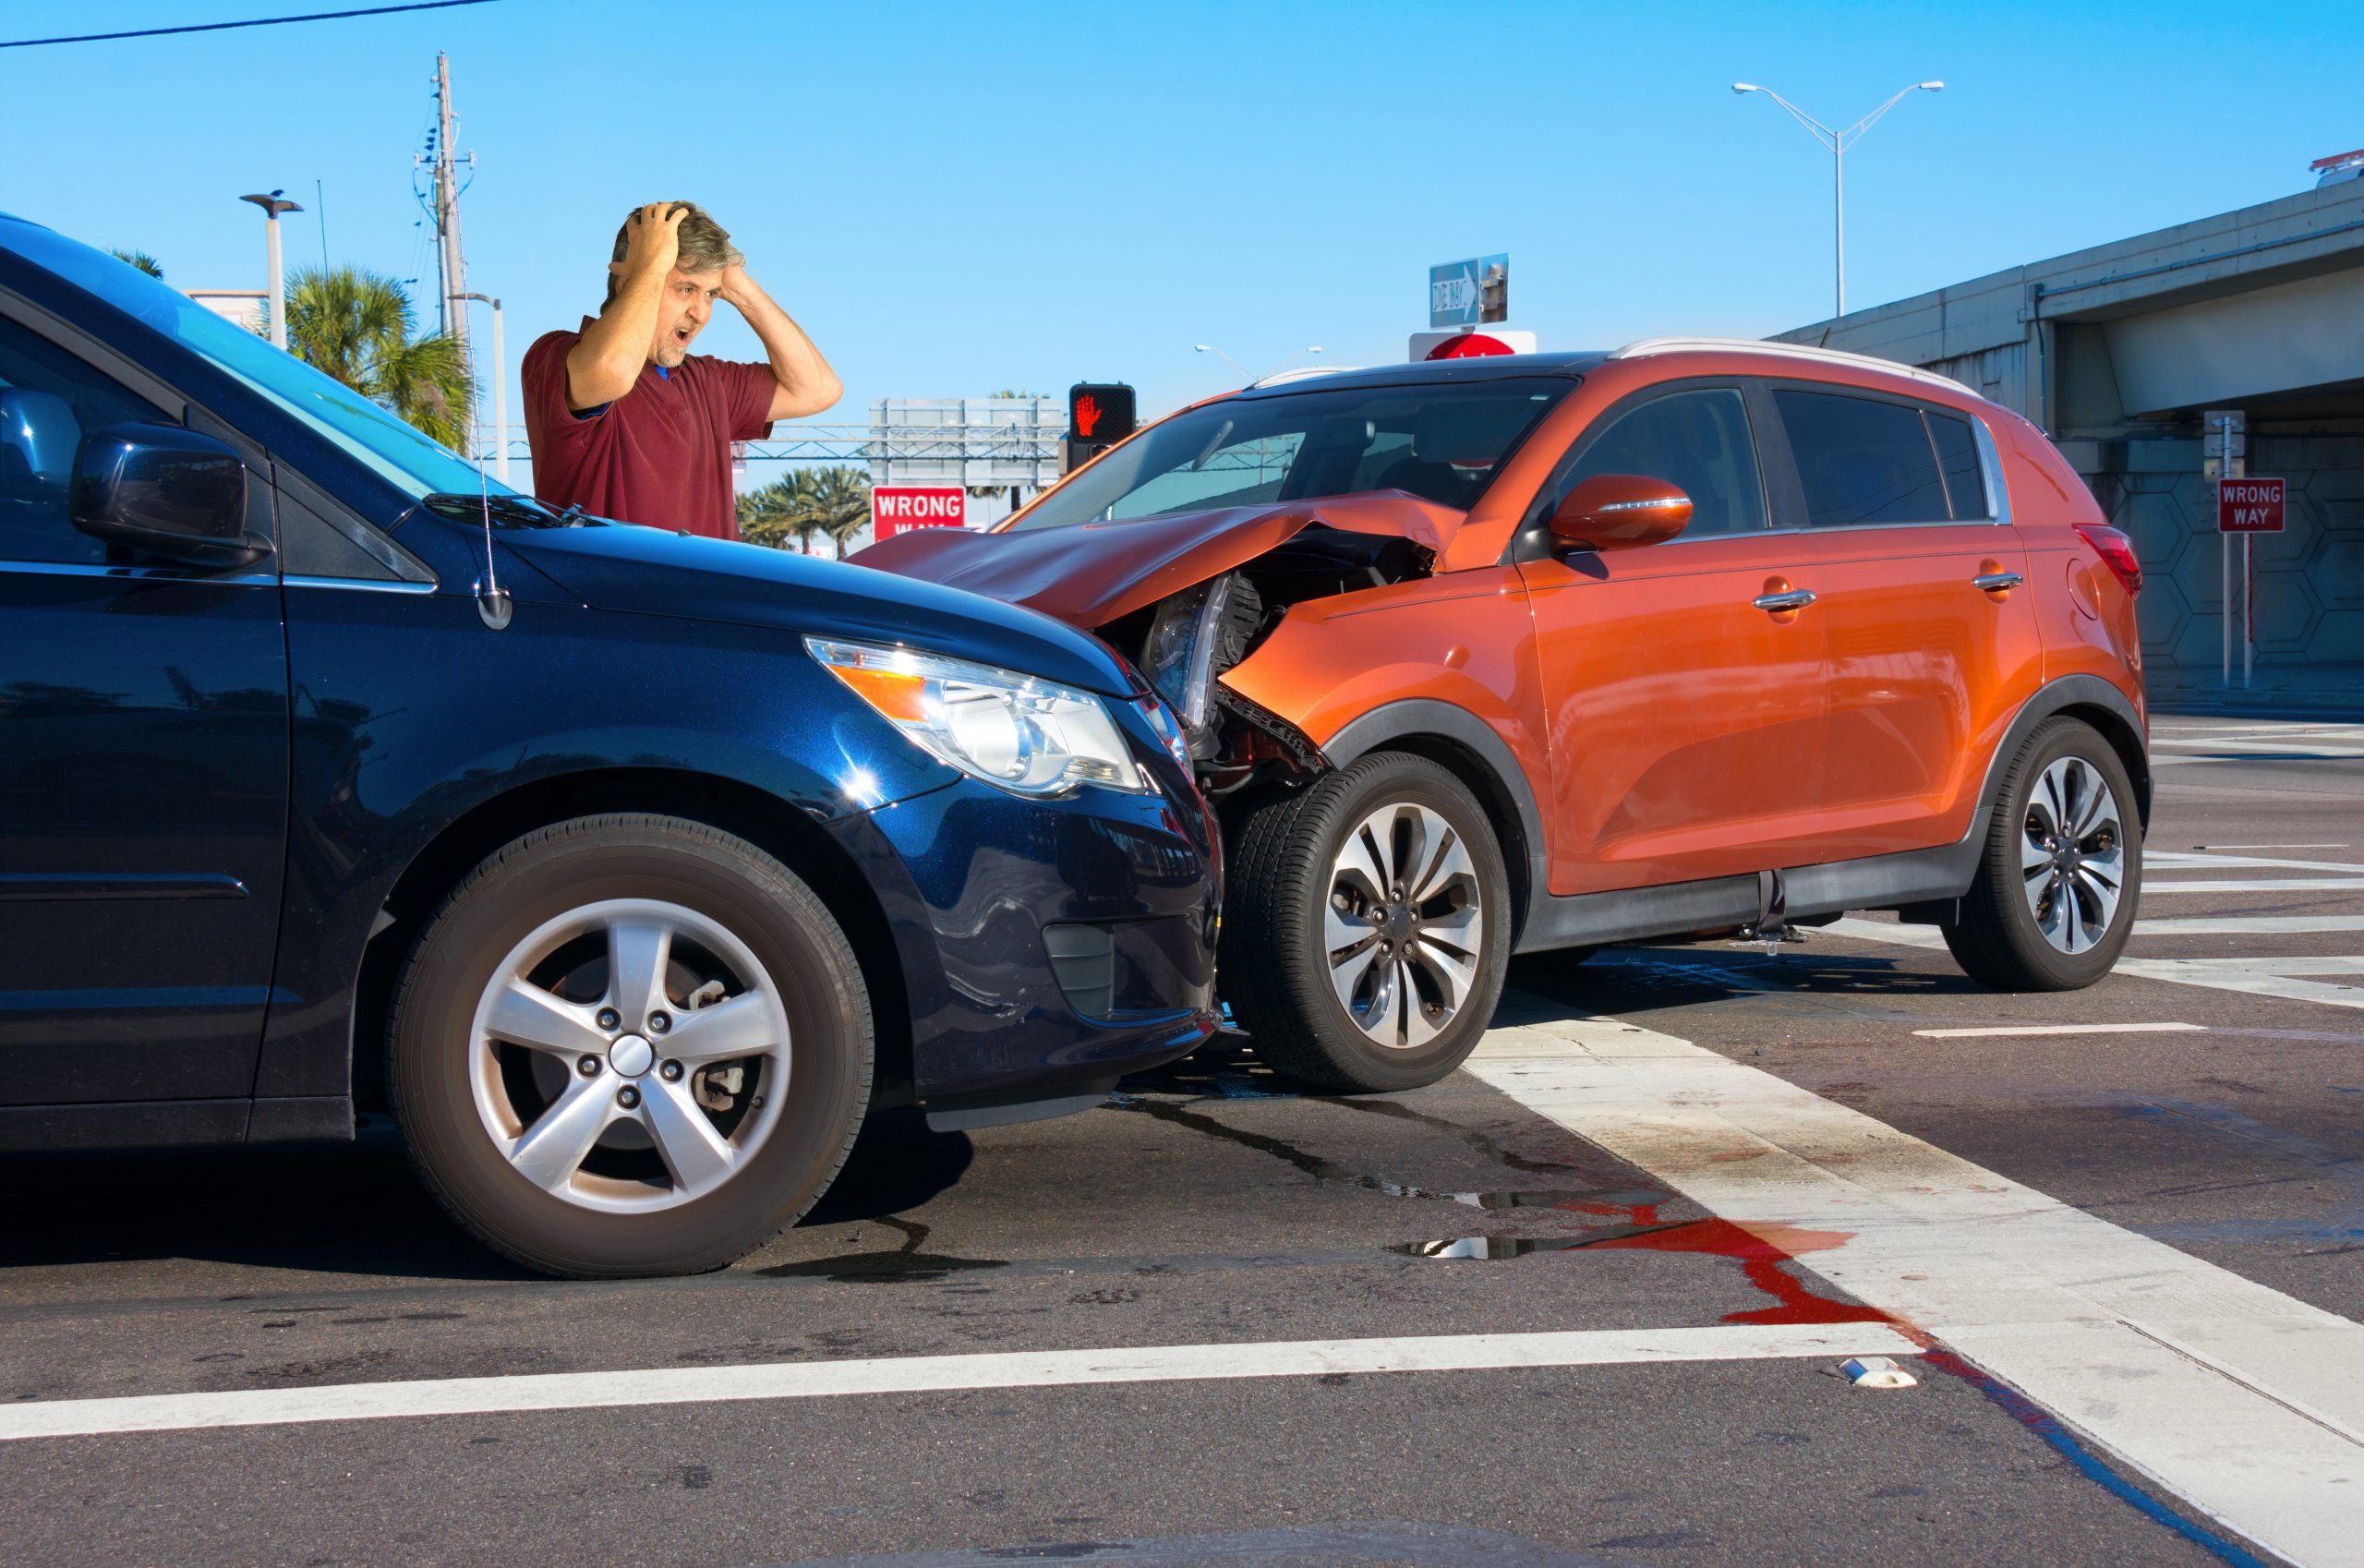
point(1698, 441)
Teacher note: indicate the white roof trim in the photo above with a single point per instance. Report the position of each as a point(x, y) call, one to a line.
point(1647, 346)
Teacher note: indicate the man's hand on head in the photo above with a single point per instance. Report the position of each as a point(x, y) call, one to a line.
point(738, 289)
point(652, 240)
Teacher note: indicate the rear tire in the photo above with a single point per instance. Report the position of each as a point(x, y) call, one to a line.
point(2062, 869)
point(629, 1046)
point(1367, 927)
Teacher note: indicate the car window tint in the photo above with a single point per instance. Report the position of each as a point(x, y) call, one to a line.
point(1244, 474)
point(1958, 458)
point(1862, 461)
point(1699, 443)
point(48, 401)
point(1441, 441)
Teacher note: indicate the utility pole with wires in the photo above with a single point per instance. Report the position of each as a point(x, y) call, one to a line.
point(451, 261)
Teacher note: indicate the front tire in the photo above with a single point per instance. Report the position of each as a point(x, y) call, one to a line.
point(1367, 927)
point(629, 1046)
point(2062, 869)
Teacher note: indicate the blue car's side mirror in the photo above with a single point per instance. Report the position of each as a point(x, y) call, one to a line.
point(166, 492)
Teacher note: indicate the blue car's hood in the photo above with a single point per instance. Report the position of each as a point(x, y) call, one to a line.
point(618, 567)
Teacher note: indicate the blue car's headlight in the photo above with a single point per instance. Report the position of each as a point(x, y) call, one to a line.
point(1015, 732)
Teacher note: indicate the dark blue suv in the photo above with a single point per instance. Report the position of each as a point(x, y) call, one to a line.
point(629, 870)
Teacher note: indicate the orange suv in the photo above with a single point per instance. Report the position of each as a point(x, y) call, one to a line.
point(1696, 638)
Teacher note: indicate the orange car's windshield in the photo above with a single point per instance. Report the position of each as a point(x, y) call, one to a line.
point(1442, 442)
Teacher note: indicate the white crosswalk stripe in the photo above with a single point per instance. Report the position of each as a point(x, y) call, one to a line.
point(2247, 1403)
point(2283, 977)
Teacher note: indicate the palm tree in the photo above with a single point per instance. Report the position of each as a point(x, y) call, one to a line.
point(840, 503)
point(355, 325)
point(141, 260)
point(768, 514)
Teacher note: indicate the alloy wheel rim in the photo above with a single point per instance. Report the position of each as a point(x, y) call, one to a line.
point(1403, 926)
point(630, 1055)
point(2072, 856)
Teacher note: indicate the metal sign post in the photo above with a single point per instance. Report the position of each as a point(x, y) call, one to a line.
point(2222, 446)
point(2247, 506)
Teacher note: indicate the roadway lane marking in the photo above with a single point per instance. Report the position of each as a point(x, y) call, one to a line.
point(2353, 731)
point(2283, 977)
point(2244, 1401)
point(2175, 860)
point(2202, 847)
point(2298, 748)
point(2257, 884)
point(932, 1374)
point(2063, 1029)
point(2247, 925)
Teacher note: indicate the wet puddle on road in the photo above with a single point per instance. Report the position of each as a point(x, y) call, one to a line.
point(1622, 1218)
point(1760, 1251)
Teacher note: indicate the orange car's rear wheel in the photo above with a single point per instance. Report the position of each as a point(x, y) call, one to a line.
point(1367, 927)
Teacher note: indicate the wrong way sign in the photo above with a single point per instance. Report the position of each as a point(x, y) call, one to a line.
point(894, 507)
point(2248, 506)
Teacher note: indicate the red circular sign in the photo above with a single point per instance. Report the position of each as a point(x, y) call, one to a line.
point(1469, 345)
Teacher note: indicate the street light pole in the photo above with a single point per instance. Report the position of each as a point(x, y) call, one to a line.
point(273, 205)
point(499, 392)
point(1837, 142)
point(1219, 353)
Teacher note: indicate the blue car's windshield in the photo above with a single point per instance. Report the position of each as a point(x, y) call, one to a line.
point(397, 453)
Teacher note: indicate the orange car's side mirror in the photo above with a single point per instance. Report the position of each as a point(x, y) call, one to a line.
point(1619, 512)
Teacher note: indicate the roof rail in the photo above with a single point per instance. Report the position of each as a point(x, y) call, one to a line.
point(1299, 373)
point(1788, 351)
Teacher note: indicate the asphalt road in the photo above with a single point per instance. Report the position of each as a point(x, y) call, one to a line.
point(1997, 1199)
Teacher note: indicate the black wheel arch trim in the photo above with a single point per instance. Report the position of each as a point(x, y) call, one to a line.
point(1510, 803)
point(2081, 696)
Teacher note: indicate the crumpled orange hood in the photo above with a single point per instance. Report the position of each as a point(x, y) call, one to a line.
point(1092, 573)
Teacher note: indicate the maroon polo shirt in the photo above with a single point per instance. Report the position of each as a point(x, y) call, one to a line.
point(660, 454)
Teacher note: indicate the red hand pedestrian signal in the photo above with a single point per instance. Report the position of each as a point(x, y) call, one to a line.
point(1098, 413)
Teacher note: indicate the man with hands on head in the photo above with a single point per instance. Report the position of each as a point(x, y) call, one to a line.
point(625, 422)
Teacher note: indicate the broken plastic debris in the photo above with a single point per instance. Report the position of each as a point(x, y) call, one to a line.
point(1875, 1371)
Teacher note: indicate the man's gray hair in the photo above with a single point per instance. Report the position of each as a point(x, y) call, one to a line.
point(706, 245)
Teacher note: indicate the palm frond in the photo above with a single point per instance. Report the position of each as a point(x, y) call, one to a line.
point(355, 326)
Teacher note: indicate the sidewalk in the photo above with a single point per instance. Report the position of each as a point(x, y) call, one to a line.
point(2313, 691)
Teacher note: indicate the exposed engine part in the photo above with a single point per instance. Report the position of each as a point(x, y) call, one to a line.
point(1186, 641)
point(1194, 636)
point(1324, 562)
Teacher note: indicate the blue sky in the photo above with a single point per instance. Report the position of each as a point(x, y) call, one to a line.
point(955, 198)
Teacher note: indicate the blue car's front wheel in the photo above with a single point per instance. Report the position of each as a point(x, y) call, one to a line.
point(629, 1046)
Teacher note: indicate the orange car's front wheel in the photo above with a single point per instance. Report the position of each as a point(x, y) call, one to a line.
point(1367, 926)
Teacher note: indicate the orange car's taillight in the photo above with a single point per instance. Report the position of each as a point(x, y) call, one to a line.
point(2116, 552)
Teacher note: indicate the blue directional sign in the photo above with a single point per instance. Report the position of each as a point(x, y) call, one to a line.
point(1471, 292)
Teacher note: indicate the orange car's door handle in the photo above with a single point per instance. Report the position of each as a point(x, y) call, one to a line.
point(1997, 582)
point(1796, 598)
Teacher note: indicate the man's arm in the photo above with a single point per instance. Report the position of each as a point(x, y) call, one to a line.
point(606, 362)
point(807, 385)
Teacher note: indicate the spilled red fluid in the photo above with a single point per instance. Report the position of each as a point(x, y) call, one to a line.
point(1760, 1251)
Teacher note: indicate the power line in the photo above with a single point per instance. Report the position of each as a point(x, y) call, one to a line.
point(258, 22)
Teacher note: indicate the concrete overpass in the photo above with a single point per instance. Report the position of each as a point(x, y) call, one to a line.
point(2116, 350)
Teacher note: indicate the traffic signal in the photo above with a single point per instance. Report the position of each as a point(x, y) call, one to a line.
point(1098, 413)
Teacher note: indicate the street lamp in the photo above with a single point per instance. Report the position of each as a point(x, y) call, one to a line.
point(1251, 381)
point(499, 392)
point(1839, 142)
point(273, 205)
